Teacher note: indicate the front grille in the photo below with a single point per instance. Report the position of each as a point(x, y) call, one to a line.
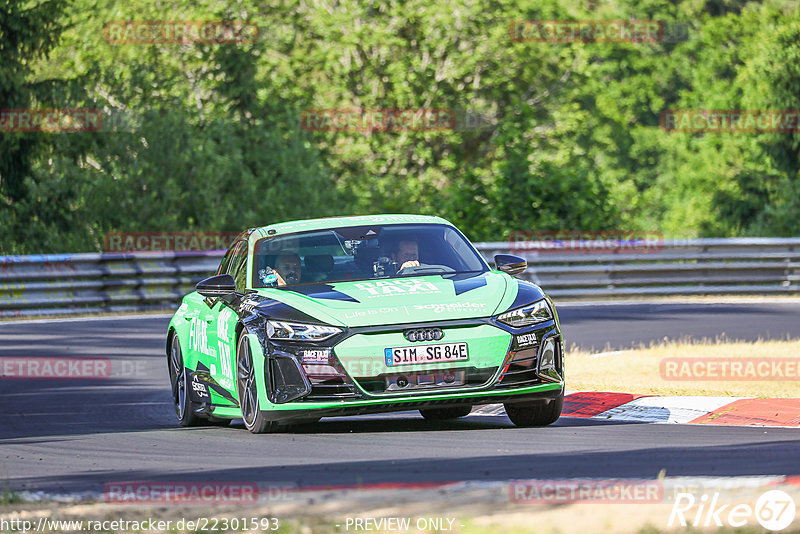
point(331, 390)
point(522, 369)
point(466, 377)
point(329, 381)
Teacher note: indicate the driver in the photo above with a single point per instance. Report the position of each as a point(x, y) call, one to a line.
point(287, 269)
point(406, 253)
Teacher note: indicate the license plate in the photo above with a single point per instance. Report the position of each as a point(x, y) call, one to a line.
point(438, 353)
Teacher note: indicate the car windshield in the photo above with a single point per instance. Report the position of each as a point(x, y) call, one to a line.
point(362, 253)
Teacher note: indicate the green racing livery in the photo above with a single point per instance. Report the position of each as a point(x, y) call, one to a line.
point(368, 314)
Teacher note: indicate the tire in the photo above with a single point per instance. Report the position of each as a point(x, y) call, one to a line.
point(247, 389)
point(179, 378)
point(535, 414)
point(441, 414)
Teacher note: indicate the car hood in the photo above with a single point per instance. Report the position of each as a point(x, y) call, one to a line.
point(402, 300)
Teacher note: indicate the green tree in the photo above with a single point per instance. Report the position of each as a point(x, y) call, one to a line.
point(28, 33)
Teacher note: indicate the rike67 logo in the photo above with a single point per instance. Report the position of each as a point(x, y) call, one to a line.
point(774, 510)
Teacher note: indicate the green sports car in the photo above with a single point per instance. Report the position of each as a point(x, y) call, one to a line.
point(354, 315)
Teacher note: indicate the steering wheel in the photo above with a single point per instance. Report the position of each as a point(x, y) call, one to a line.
point(421, 269)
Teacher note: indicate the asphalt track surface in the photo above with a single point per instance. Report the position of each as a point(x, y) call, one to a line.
point(74, 436)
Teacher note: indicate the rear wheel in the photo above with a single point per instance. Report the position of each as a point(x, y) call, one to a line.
point(440, 414)
point(179, 378)
point(535, 414)
point(247, 388)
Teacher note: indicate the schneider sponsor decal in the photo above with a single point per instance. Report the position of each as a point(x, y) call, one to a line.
point(200, 389)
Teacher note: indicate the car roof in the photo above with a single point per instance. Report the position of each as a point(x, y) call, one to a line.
point(290, 227)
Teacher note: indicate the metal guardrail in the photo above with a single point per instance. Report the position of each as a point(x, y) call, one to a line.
point(678, 267)
point(87, 283)
point(80, 283)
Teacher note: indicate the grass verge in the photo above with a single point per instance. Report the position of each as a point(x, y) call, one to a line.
point(10, 497)
point(641, 369)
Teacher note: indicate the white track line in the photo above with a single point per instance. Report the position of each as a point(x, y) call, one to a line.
point(666, 409)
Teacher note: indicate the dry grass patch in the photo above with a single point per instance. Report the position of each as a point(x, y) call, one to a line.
point(638, 370)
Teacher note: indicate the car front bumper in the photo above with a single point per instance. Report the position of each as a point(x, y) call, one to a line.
point(509, 371)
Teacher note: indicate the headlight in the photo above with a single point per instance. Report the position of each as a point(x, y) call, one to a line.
point(537, 312)
point(299, 331)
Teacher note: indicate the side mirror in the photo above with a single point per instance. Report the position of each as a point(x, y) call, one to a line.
point(509, 264)
point(217, 286)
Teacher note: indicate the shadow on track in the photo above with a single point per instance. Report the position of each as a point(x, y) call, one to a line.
point(768, 458)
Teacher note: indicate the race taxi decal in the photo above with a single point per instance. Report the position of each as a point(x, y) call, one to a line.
point(385, 288)
point(224, 348)
point(223, 320)
point(525, 340)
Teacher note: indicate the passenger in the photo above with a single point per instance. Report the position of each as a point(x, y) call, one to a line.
point(287, 271)
point(288, 268)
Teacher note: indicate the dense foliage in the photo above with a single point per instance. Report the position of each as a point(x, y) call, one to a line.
point(547, 136)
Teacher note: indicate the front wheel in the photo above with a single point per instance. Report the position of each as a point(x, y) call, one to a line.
point(179, 378)
point(535, 414)
point(441, 414)
point(247, 389)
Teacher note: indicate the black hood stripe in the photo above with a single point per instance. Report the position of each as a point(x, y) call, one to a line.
point(323, 291)
point(462, 285)
point(275, 309)
point(527, 293)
